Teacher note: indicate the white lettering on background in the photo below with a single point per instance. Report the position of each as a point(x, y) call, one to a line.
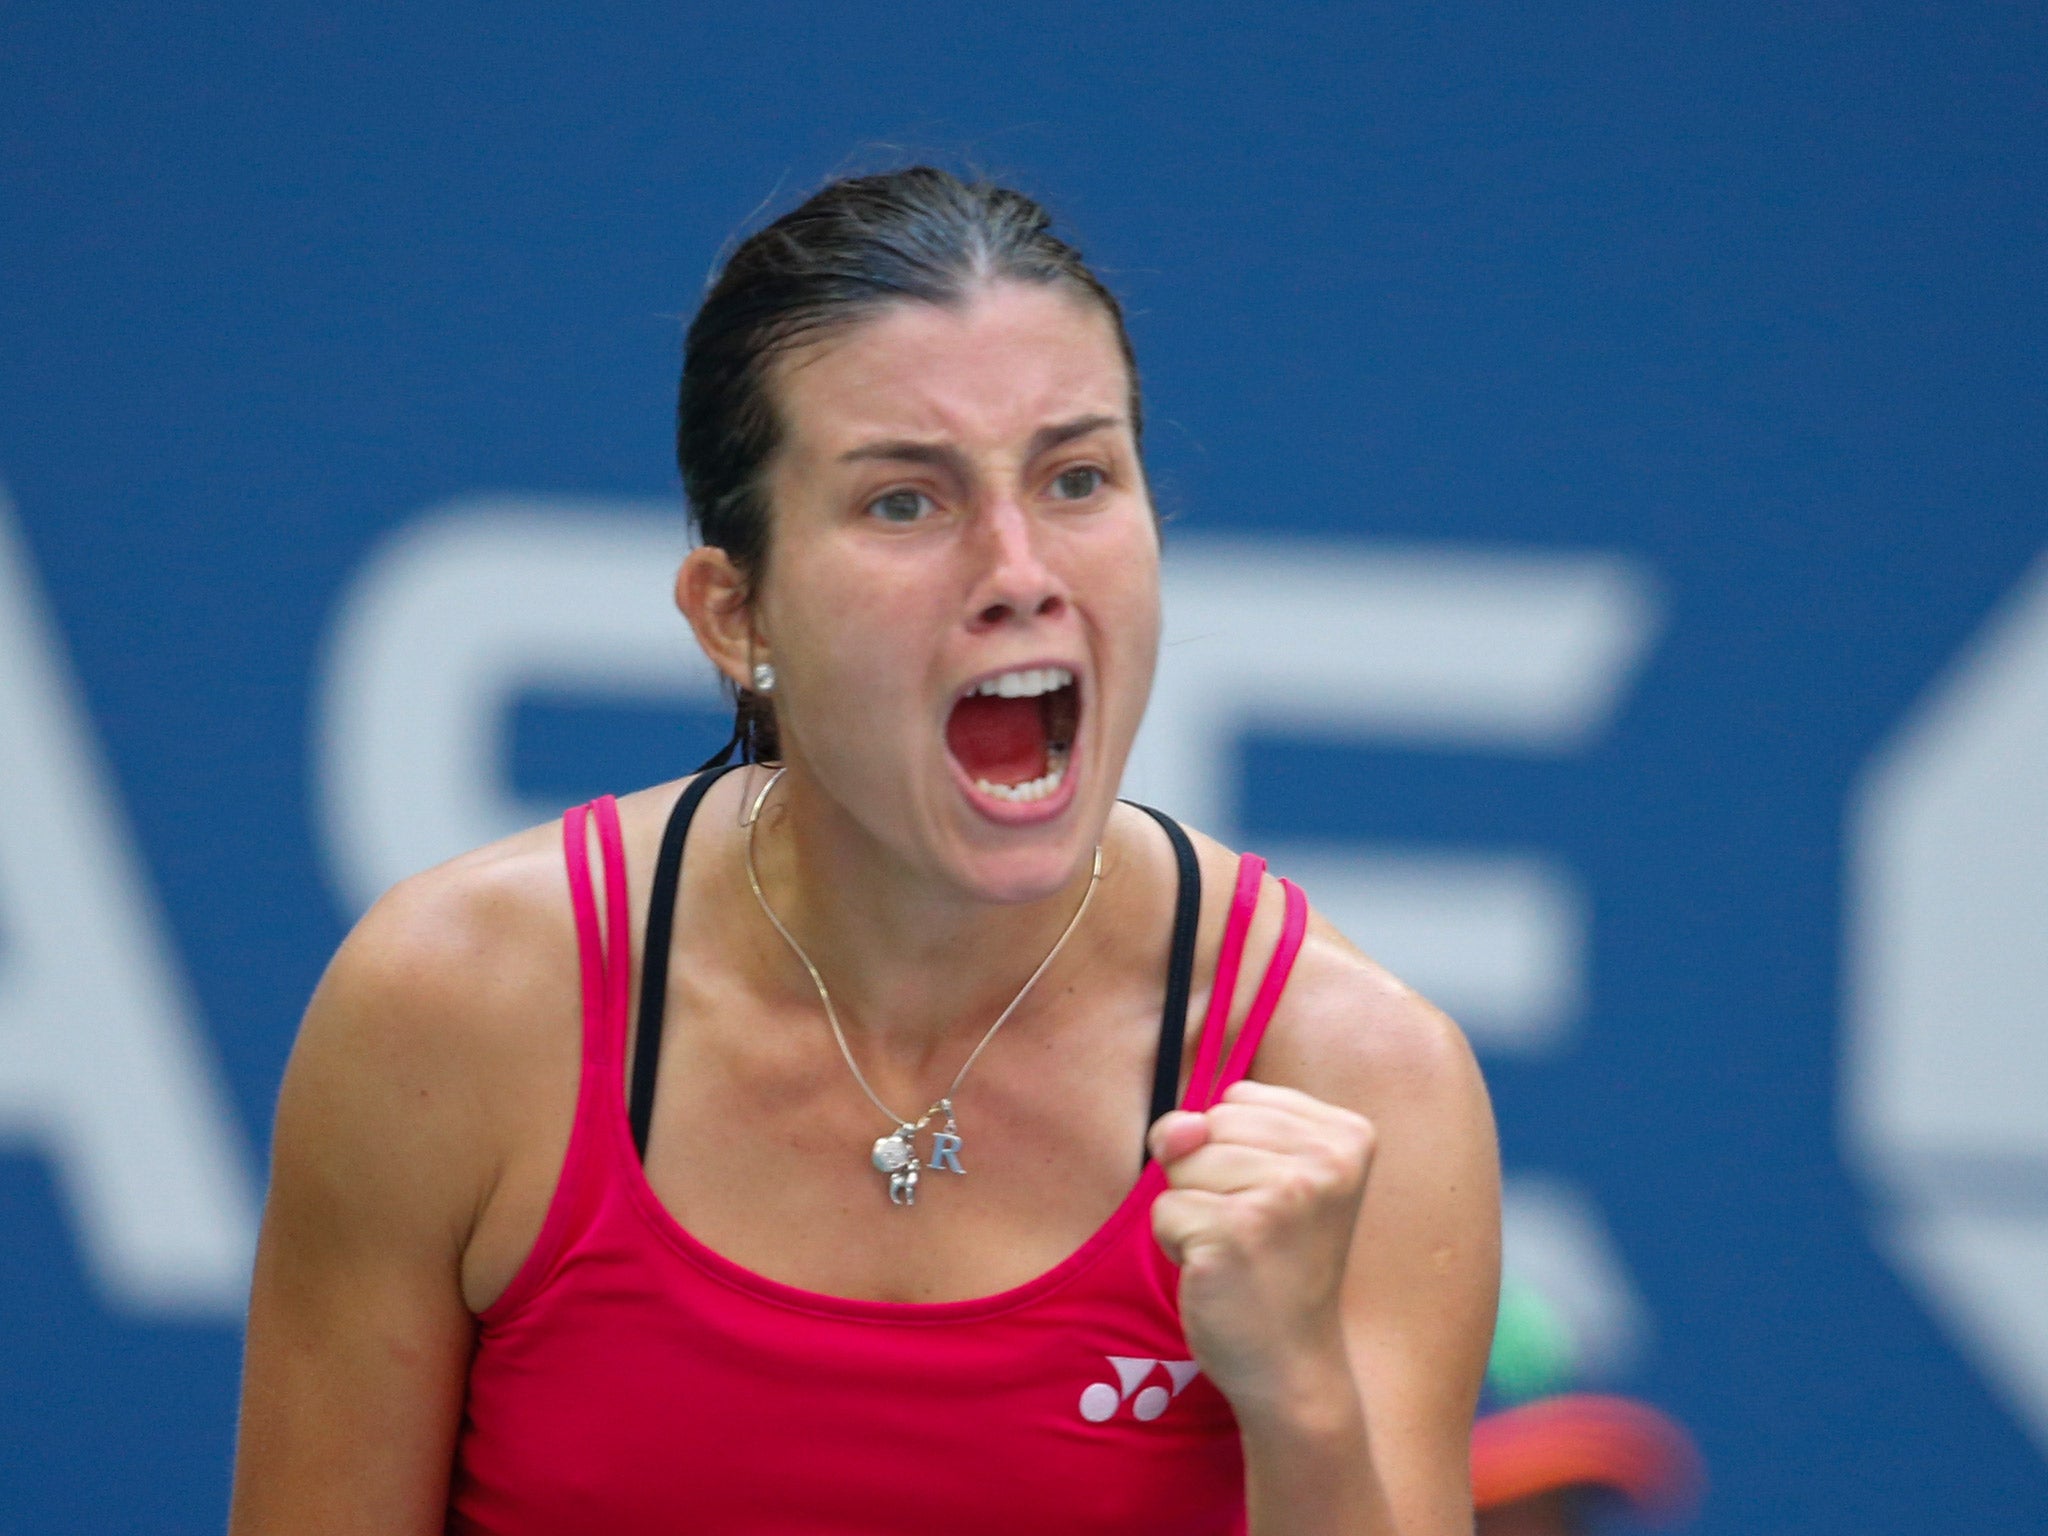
point(104, 1067)
point(1946, 1059)
point(446, 626)
point(1467, 649)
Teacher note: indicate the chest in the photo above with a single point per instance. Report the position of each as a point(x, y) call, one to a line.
point(762, 1146)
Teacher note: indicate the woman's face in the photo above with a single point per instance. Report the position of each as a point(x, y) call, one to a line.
point(961, 597)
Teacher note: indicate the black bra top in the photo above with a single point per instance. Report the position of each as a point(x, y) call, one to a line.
point(661, 914)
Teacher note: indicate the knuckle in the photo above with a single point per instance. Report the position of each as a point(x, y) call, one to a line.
point(1357, 1158)
point(1354, 1139)
point(1304, 1183)
point(1333, 1173)
point(1330, 1165)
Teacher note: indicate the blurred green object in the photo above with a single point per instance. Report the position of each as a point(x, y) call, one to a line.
point(1533, 1349)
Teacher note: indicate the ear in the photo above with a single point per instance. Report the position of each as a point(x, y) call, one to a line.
point(713, 596)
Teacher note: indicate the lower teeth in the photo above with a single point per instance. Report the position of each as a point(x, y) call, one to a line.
point(1031, 789)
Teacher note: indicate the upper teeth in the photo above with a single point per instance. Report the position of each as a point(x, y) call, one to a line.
point(1027, 684)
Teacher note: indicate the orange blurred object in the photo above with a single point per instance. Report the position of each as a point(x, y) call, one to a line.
point(1586, 1440)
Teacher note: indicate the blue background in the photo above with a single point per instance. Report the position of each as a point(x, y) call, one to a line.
point(1752, 294)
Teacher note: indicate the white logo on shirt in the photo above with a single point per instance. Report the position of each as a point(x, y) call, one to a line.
point(1100, 1400)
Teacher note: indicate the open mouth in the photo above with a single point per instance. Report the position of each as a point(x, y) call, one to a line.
point(1013, 734)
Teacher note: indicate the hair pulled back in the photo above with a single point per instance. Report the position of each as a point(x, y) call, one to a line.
point(850, 250)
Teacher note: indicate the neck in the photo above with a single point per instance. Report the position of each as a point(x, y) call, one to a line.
point(917, 969)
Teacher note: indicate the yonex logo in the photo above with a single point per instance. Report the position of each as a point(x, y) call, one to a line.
point(1100, 1400)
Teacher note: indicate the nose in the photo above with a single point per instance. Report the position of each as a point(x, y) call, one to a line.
point(1016, 583)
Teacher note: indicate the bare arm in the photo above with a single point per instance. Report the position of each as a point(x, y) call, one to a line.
point(1343, 1228)
point(384, 1156)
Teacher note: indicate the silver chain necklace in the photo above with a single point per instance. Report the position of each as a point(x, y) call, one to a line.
point(895, 1153)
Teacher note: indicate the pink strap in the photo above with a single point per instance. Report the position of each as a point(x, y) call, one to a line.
point(603, 976)
point(605, 954)
point(1293, 926)
point(618, 954)
point(1243, 902)
point(589, 943)
point(1292, 929)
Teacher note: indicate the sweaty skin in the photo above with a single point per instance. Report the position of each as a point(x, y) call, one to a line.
point(958, 492)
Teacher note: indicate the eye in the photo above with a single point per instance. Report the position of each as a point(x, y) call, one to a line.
point(900, 506)
point(1078, 483)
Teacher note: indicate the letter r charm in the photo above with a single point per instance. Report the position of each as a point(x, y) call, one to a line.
point(946, 1151)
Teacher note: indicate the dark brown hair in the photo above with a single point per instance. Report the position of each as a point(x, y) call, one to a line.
point(852, 248)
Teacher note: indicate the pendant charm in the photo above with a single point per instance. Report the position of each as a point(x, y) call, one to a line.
point(946, 1144)
point(896, 1155)
point(894, 1151)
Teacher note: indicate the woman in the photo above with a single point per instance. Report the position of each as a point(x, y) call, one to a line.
point(859, 1200)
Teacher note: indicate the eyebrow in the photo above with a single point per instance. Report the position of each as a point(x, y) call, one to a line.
point(909, 451)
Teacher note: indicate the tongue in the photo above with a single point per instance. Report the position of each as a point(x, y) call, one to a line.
point(998, 739)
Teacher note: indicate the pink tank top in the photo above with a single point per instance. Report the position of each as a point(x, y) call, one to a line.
point(631, 1380)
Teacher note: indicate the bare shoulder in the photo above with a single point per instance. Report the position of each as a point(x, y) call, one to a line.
point(428, 1034)
point(433, 964)
point(1351, 1031)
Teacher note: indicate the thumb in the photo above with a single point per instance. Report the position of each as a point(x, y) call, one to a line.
point(1177, 1133)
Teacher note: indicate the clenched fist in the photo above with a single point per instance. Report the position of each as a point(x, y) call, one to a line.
point(1262, 1199)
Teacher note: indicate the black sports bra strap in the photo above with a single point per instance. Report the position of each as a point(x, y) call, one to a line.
point(1180, 968)
point(661, 922)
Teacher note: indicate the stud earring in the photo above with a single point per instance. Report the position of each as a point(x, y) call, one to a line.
point(764, 677)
